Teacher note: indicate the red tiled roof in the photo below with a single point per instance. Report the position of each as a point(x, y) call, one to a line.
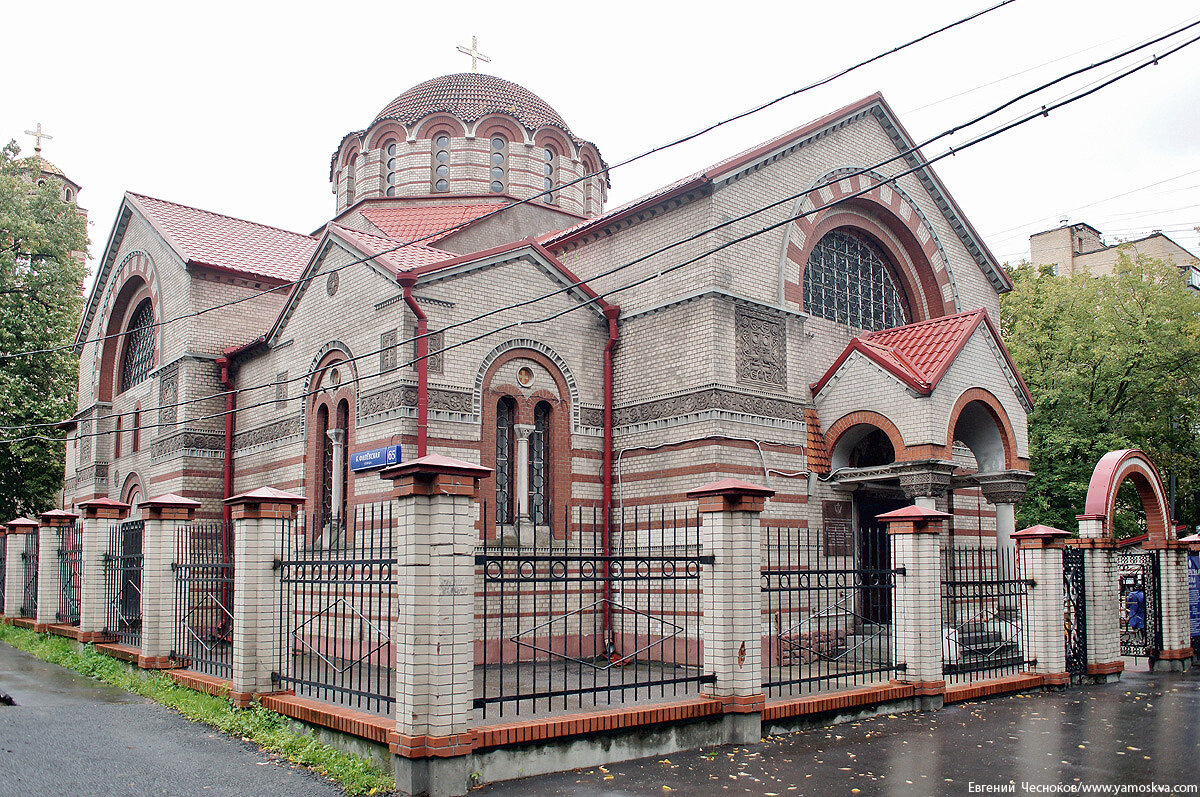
point(406, 258)
point(815, 449)
point(415, 222)
point(471, 96)
point(202, 237)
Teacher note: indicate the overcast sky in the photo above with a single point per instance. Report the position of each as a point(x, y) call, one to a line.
point(237, 107)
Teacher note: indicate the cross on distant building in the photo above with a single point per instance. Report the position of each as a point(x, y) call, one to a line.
point(38, 135)
point(475, 54)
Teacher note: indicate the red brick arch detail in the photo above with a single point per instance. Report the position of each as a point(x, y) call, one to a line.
point(436, 123)
point(317, 397)
point(1007, 436)
point(488, 126)
point(386, 129)
point(873, 217)
point(553, 137)
point(1110, 473)
point(136, 280)
point(869, 418)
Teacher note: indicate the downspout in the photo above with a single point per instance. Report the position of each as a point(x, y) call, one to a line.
point(611, 312)
point(227, 468)
point(406, 282)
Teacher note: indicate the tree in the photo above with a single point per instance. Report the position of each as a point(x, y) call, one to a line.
point(40, 300)
point(1111, 362)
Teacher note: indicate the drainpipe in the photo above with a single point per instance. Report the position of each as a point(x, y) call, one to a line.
point(611, 312)
point(406, 282)
point(230, 403)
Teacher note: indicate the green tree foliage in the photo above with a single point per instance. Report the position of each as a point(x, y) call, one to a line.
point(40, 302)
point(1112, 363)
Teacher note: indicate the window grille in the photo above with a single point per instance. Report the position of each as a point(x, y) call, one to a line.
point(539, 464)
point(506, 410)
point(848, 280)
point(139, 346)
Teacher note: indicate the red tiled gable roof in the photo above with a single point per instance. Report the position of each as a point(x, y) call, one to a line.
point(815, 449)
point(470, 96)
point(405, 258)
point(415, 222)
point(204, 238)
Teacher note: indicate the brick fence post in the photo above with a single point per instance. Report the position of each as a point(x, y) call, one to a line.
point(915, 532)
point(14, 565)
point(731, 601)
point(163, 517)
point(1176, 652)
point(98, 516)
point(435, 593)
point(260, 518)
point(49, 565)
point(1040, 550)
point(1102, 599)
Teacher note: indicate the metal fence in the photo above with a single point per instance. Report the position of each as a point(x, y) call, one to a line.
point(827, 609)
point(1140, 623)
point(983, 609)
point(1074, 612)
point(590, 618)
point(70, 573)
point(338, 608)
point(204, 597)
point(29, 576)
point(123, 582)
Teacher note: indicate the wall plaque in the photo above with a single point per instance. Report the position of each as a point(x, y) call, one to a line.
point(837, 528)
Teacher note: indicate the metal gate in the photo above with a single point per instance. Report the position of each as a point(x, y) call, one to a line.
point(1074, 612)
point(123, 583)
point(70, 573)
point(29, 558)
point(204, 598)
point(1140, 624)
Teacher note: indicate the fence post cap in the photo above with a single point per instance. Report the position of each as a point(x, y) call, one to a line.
point(99, 502)
point(731, 488)
point(21, 525)
point(913, 514)
point(266, 495)
point(1191, 539)
point(1040, 531)
point(171, 501)
point(432, 465)
point(57, 517)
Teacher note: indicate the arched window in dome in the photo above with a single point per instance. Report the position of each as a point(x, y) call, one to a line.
point(391, 167)
point(440, 170)
point(550, 174)
point(849, 280)
point(499, 161)
point(588, 170)
point(351, 178)
point(138, 357)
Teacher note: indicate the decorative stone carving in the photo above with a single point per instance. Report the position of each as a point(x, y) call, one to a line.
point(926, 479)
point(1006, 487)
point(761, 346)
point(436, 358)
point(168, 396)
point(406, 396)
point(591, 416)
point(186, 441)
point(706, 399)
point(85, 440)
point(268, 433)
point(331, 283)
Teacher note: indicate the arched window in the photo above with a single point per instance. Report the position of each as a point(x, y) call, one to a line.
point(391, 170)
point(441, 163)
point(136, 443)
point(351, 178)
point(550, 172)
point(138, 358)
point(324, 484)
point(499, 164)
point(848, 279)
point(117, 439)
point(587, 187)
point(539, 465)
point(506, 415)
point(342, 420)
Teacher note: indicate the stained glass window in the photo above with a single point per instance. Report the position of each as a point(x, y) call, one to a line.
point(506, 412)
point(138, 359)
point(849, 280)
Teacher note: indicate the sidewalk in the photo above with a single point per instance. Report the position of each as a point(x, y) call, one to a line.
point(70, 735)
point(1143, 730)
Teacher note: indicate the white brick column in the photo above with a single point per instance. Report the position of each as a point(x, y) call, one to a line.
point(1040, 550)
point(52, 526)
point(1176, 651)
point(915, 532)
point(163, 517)
point(14, 565)
point(1104, 662)
point(435, 595)
point(731, 602)
point(98, 517)
point(261, 518)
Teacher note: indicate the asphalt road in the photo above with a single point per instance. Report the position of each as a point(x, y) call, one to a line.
point(71, 735)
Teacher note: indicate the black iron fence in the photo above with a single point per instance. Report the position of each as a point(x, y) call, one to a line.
point(123, 582)
point(827, 609)
point(1140, 622)
point(588, 617)
point(70, 573)
point(338, 608)
point(203, 569)
point(983, 610)
point(1074, 612)
point(29, 576)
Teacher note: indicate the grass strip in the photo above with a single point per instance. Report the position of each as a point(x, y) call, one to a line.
point(265, 728)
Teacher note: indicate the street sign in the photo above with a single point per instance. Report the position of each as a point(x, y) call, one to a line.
point(1194, 592)
point(375, 458)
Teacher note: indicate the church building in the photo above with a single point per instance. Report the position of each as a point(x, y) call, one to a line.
point(797, 316)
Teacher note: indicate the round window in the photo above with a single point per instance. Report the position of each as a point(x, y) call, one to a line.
point(442, 142)
point(497, 173)
point(525, 376)
point(497, 187)
point(443, 156)
point(499, 143)
point(442, 185)
point(442, 170)
point(497, 158)
point(331, 283)
point(391, 150)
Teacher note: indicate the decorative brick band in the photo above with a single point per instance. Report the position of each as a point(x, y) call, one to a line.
point(1057, 678)
point(1100, 543)
point(838, 701)
point(742, 704)
point(431, 746)
point(995, 686)
point(925, 688)
point(1106, 668)
point(156, 662)
point(1176, 654)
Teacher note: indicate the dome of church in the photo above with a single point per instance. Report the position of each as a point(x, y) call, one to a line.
point(470, 96)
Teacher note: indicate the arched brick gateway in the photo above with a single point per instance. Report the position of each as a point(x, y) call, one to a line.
point(1110, 473)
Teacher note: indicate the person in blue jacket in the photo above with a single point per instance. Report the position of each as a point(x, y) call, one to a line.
point(1135, 604)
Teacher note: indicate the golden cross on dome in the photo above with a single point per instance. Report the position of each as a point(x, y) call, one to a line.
point(475, 54)
point(38, 135)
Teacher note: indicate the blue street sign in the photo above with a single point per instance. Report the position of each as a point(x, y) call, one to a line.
point(375, 458)
point(1194, 592)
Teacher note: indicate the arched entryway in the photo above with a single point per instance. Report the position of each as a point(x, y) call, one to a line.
point(331, 411)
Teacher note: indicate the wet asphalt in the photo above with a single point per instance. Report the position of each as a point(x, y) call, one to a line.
point(71, 735)
point(1144, 730)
